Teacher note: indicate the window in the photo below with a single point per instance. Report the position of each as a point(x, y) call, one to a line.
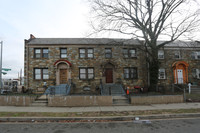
point(160, 54)
point(130, 73)
point(195, 55)
point(177, 55)
point(37, 53)
point(86, 73)
point(45, 53)
point(86, 52)
point(45, 73)
point(108, 53)
point(129, 53)
point(90, 53)
point(41, 53)
point(41, 73)
point(161, 74)
point(196, 73)
point(63, 53)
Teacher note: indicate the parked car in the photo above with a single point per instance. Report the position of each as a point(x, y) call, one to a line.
point(3, 92)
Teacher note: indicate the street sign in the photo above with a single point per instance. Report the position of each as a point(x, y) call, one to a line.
point(4, 73)
point(6, 69)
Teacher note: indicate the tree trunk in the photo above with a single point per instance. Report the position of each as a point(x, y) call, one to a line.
point(153, 70)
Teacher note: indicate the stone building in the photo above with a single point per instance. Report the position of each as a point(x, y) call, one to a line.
point(87, 62)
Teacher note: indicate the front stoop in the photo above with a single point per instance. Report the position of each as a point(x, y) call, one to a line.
point(120, 100)
point(41, 101)
point(195, 89)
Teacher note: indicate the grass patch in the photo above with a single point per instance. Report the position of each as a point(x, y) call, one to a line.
point(97, 114)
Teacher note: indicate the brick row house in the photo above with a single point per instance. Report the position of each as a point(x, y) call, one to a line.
point(87, 62)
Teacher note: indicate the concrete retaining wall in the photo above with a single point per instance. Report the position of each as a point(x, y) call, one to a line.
point(139, 100)
point(16, 100)
point(78, 101)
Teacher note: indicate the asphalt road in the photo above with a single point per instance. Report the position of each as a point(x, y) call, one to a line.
point(152, 126)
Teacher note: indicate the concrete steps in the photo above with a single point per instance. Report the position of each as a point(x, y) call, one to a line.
point(195, 89)
point(40, 102)
point(120, 100)
point(115, 90)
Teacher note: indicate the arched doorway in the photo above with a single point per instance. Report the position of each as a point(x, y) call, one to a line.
point(109, 72)
point(63, 71)
point(180, 71)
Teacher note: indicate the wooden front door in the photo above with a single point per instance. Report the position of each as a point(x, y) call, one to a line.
point(63, 76)
point(109, 75)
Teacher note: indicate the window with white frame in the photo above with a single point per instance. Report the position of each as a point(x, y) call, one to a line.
point(195, 55)
point(177, 55)
point(161, 74)
point(196, 73)
point(41, 73)
point(160, 54)
point(86, 73)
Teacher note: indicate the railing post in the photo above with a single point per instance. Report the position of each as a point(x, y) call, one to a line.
point(109, 90)
point(172, 88)
point(184, 97)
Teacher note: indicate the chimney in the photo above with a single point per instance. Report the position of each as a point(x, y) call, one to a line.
point(32, 36)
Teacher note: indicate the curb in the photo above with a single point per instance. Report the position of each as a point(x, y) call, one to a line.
point(96, 119)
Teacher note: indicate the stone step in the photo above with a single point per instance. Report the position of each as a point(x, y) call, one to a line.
point(120, 100)
point(119, 97)
point(40, 101)
point(39, 104)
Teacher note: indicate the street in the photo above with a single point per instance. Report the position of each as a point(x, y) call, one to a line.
point(185, 125)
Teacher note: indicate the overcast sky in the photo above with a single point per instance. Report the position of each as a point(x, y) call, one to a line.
point(42, 18)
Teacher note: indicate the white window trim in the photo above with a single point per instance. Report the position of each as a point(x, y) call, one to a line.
point(159, 74)
point(197, 73)
point(195, 55)
point(177, 53)
point(161, 54)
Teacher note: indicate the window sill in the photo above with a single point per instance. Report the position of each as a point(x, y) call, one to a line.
point(41, 79)
point(86, 79)
point(130, 79)
point(130, 57)
point(86, 58)
point(41, 58)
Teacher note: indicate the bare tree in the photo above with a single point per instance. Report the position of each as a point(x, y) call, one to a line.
point(147, 21)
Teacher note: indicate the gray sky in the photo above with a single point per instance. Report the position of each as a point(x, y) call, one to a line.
point(42, 18)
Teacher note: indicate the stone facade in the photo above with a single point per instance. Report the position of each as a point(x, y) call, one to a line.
point(99, 63)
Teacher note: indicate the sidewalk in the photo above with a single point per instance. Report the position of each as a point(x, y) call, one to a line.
point(101, 108)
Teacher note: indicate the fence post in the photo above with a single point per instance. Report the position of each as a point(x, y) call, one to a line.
point(184, 97)
point(109, 90)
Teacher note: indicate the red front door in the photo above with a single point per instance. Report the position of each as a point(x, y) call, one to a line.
point(109, 75)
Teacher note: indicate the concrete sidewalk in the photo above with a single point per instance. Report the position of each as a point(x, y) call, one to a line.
point(101, 108)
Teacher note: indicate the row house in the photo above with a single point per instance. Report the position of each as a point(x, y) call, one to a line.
point(87, 62)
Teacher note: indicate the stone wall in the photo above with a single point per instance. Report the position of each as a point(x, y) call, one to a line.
point(141, 100)
point(166, 63)
point(16, 100)
point(79, 101)
point(97, 62)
